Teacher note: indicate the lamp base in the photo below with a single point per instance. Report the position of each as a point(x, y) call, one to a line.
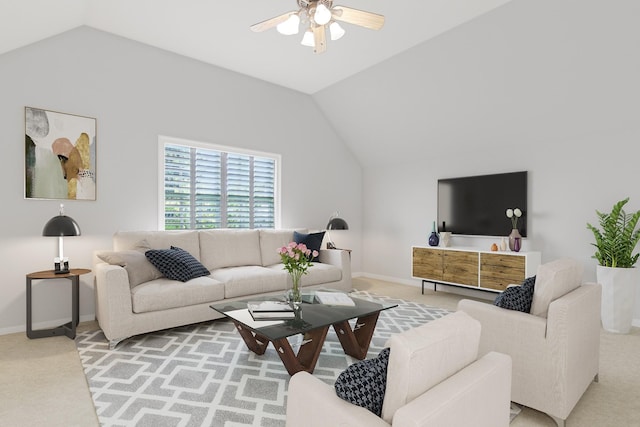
point(61, 265)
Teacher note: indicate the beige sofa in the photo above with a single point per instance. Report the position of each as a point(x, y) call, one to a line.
point(133, 298)
point(556, 347)
point(434, 378)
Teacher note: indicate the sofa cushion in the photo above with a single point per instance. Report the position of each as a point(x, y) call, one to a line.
point(270, 242)
point(230, 248)
point(364, 382)
point(187, 240)
point(312, 240)
point(317, 274)
point(517, 297)
point(553, 280)
point(163, 294)
point(424, 356)
point(250, 280)
point(176, 263)
point(138, 267)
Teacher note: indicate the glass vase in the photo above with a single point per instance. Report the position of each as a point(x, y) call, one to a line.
point(294, 296)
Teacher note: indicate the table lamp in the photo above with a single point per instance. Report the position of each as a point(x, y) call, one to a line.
point(60, 226)
point(335, 223)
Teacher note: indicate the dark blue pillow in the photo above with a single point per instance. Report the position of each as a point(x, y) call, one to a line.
point(312, 240)
point(364, 383)
point(176, 264)
point(517, 297)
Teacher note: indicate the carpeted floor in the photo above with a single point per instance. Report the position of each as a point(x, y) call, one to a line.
point(203, 375)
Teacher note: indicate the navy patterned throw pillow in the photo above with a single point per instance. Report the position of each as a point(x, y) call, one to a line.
point(517, 297)
point(365, 382)
point(176, 263)
point(312, 240)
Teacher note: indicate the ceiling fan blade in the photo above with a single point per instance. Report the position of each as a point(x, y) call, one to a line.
point(270, 23)
point(320, 38)
point(358, 17)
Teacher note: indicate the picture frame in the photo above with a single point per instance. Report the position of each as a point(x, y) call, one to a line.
point(60, 155)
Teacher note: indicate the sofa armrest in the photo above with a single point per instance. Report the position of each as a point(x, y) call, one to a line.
point(313, 403)
point(337, 257)
point(478, 395)
point(113, 300)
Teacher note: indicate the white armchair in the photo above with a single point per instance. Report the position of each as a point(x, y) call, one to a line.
point(434, 378)
point(555, 348)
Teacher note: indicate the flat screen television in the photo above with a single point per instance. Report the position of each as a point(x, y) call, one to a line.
point(477, 205)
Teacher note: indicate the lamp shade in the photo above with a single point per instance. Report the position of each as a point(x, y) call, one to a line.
point(61, 225)
point(337, 223)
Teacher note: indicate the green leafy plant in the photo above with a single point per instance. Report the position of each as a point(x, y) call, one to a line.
point(617, 239)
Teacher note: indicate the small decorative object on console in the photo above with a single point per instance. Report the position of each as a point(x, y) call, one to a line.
point(434, 240)
point(513, 215)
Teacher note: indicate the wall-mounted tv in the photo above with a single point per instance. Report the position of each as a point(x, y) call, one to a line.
point(476, 205)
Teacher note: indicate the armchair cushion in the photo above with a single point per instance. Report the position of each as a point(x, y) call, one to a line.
point(364, 382)
point(517, 297)
point(553, 280)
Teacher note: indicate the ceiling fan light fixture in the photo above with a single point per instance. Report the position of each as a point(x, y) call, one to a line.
point(290, 26)
point(322, 15)
point(336, 31)
point(308, 39)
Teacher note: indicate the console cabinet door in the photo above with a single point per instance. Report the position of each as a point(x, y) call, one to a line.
point(461, 267)
point(497, 271)
point(427, 263)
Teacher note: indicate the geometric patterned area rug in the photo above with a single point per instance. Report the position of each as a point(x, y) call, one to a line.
point(204, 375)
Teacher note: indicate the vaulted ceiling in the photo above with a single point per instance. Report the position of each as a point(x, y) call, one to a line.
point(217, 32)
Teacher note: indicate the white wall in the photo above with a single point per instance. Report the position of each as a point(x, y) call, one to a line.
point(137, 93)
point(549, 86)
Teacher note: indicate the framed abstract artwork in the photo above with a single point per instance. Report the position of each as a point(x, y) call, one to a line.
point(60, 155)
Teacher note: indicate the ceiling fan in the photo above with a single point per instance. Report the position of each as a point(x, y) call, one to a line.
point(317, 15)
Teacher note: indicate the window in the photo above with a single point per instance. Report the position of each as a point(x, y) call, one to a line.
point(210, 186)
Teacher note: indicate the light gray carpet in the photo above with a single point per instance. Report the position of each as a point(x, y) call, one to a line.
point(203, 375)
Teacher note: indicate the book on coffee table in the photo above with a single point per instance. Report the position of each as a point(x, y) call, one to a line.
point(271, 310)
point(334, 298)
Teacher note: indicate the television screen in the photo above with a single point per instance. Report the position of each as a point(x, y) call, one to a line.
point(477, 205)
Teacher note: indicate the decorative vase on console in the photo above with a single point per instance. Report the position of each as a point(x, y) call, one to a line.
point(513, 215)
point(434, 239)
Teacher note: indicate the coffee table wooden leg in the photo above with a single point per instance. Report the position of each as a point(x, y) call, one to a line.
point(308, 353)
point(256, 343)
point(355, 342)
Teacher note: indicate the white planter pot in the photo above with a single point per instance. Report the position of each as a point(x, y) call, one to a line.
point(618, 297)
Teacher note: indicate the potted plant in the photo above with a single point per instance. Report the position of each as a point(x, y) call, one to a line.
point(615, 242)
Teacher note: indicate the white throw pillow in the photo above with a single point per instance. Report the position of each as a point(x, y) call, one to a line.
point(553, 280)
point(138, 267)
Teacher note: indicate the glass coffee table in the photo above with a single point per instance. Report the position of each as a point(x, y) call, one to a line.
point(312, 320)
